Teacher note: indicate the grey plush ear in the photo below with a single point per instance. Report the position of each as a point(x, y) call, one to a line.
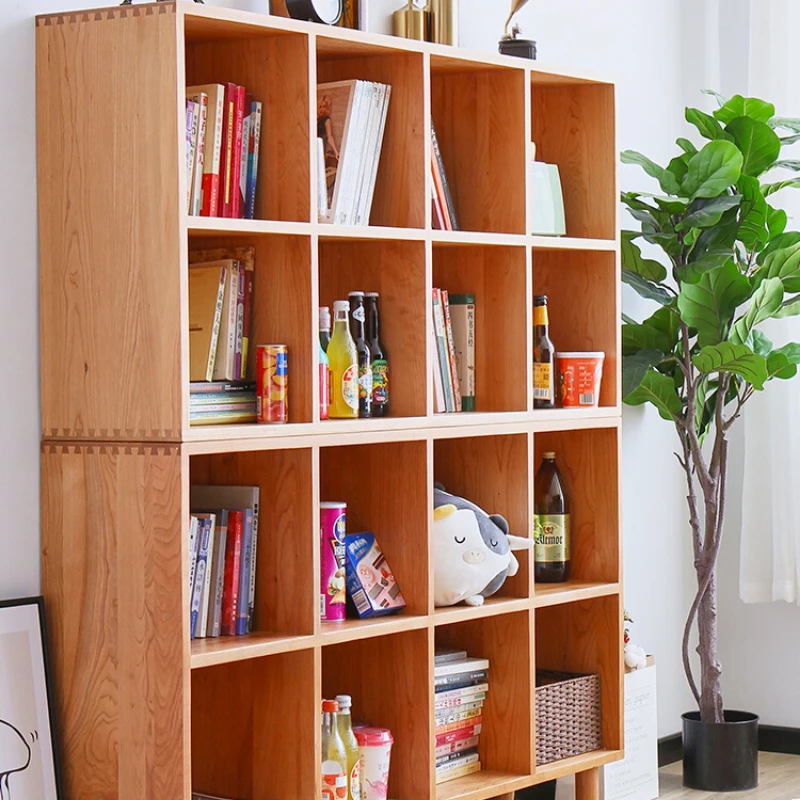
point(439, 486)
point(500, 522)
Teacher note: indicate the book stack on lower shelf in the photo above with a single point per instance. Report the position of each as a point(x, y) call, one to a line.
point(461, 684)
point(454, 345)
point(223, 535)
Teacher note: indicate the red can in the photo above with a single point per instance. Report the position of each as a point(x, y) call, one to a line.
point(272, 383)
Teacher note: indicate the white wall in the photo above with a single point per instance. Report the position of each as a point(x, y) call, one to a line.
point(639, 45)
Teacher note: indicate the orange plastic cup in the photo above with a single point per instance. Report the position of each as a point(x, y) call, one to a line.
point(580, 375)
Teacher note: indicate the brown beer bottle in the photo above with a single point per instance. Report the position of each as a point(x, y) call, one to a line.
point(551, 534)
point(544, 393)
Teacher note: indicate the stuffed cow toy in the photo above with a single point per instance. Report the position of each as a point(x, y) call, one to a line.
point(472, 551)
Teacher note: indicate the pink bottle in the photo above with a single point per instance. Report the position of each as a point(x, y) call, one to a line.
point(332, 593)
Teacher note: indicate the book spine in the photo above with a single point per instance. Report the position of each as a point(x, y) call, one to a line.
point(247, 324)
point(348, 163)
point(458, 716)
point(197, 389)
point(226, 348)
point(373, 111)
point(459, 746)
point(462, 315)
point(205, 598)
point(447, 196)
point(242, 405)
point(439, 405)
point(460, 665)
point(457, 726)
point(218, 576)
point(457, 702)
point(439, 189)
point(233, 559)
point(322, 181)
point(214, 343)
point(251, 599)
point(244, 572)
point(452, 694)
point(192, 555)
point(466, 732)
point(252, 160)
point(437, 218)
point(195, 206)
point(199, 576)
point(357, 172)
point(460, 760)
point(461, 680)
point(240, 294)
point(461, 772)
point(244, 149)
point(387, 93)
point(228, 141)
point(441, 346)
point(191, 145)
point(211, 168)
point(222, 418)
point(236, 158)
point(451, 351)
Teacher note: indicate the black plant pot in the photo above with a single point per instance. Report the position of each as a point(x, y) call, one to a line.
point(722, 756)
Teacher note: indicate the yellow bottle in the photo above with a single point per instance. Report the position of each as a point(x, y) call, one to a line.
point(344, 721)
point(343, 363)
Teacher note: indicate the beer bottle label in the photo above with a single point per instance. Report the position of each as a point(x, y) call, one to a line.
point(350, 386)
point(550, 538)
point(380, 382)
point(359, 314)
point(364, 381)
point(542, 381)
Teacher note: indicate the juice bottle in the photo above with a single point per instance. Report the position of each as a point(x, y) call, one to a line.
point(358, 319)
point(343, 361)
point(324, 384)
point(334, 755)
point(345, 722)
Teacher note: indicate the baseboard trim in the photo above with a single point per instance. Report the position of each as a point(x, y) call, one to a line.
point(771, 739)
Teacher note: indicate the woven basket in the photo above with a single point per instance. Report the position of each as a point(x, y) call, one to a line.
point(567, 715)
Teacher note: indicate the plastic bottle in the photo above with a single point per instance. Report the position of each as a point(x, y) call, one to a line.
point(334, 755)
point(343, 365)
point(345, 722)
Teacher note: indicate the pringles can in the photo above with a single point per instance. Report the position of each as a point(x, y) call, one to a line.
point(272, 383)
point(332, 592)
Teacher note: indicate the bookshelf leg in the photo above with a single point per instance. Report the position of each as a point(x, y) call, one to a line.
point(587, 785)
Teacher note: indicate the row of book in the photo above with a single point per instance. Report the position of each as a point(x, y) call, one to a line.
point(443, 211)
point(351, 120)
point(223, 136)
point(461, 684)
point(222, 403)
point(223, 534)
point(454, 347)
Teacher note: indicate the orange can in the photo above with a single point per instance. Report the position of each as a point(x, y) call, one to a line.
point(272, 383)
point(580, 375)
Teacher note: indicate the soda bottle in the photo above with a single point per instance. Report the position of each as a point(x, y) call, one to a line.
point(345, 721)
point(551, 534)
point(324, 327)
point(334, 755)
point(357, 329)
point(343, 363)
point(324, 383)
point(379, 360)
point(544, 394)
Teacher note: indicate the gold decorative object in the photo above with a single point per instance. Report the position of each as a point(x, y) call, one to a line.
point(516, 5)
point(412, 22)
point(445, 21)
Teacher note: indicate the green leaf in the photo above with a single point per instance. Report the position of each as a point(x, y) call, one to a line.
point(738, 359)
point(792, 164)
point(753, 213)
point(721, 99)
point(763, 305)
point(783, 264)
point(712, 170)
point(779, 242)
point(646, 288)
point(787, 123)
point(632, 199)
point(708, 126)
point(658, 332)
point(671, 206)
point(771, 188)
point(751, 107)
point(779, 366)
point(760, 343)
point(665, 178)
point(657, 389)
point(789, 308)
point(787, 140)
point(679, 165)
point(635, 366)
point(776, 221)
point(758, 143)
point(632, 260)
point(686, 146)
point(709, 305)
point(705, 213)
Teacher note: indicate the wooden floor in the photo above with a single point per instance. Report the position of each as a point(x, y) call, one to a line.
point(779, 779)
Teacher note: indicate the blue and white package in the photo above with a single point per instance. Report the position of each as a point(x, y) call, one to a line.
point(370, 582)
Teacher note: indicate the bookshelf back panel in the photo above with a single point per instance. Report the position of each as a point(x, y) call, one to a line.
point(573, 127)
point(397, 271)
point(275, 70)
point(399, 199)
point(497, 276)
point(479, 116)
point(286, 600)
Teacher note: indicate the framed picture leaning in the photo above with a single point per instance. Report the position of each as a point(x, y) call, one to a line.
point(28, 758)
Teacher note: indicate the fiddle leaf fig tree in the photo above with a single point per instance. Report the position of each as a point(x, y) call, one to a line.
point(731, 265)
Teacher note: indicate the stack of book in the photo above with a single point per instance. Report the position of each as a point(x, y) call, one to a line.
point(223, 136)
point(221, 402)
point(454, 347)
point(461, 684)
point(223, 534)
point(443, 212)
point(351, 120)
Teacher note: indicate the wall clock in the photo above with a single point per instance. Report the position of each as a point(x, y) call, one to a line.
point(325, 11)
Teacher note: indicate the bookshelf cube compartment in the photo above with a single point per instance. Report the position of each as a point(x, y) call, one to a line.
point(497, 276)
point(479, 114)
point(572, 125)
point(386, 490)
point(396, 270)
point(255, 728)
point(399, 199)
point(273, 66)
point(389, 681)
point(588, 461)
point(506, 727)
point(586, 638)
point(286, 598)
point(492, 472)
point(582, 288)
point(282, 308)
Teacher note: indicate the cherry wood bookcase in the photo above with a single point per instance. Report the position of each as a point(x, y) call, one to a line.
point(145, 714)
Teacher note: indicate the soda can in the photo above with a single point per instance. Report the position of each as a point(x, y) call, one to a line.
point(272, 383)
point(332, 590)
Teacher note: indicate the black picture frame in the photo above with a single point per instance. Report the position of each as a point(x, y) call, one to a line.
point(28, 615)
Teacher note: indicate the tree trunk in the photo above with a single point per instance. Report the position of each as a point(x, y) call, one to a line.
point(710, 669)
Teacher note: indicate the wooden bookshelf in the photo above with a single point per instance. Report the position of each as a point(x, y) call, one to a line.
point(145, 713)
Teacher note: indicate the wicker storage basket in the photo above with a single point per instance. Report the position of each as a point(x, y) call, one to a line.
point(567, 715)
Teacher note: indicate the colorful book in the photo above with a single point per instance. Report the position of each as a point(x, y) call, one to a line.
point(437, 216)
point(201, 101)
point(217, 574)
point(247, 324)
point(460, 680)
point(233, 567)
point(201, 629)
point(451, 351)
point(441, 347)
point(192, 124)
point(442, 723)
point(460, 772)
point(439, 188)
point(239, 341)
point(254, 146)
point(458, 666)
point(236, 165)
point(468, 731)
point(213, 145)
point(192, 554)
point(449, 713)
point(459, 725)
point(228, 160)
point(198, 390)
point(223, 418)
point(459, 746)
point(462, 319)
point(439, 405)
point(458, 702)
point(459, 760)
point(447, 197)
point(244, 147)
point(200, 572)
point(460, 693)
point(206, 299)
point(225, 366)
point(244, 573)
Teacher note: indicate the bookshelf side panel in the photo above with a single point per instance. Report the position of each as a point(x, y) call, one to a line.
point(112, 579)
point(108, 166)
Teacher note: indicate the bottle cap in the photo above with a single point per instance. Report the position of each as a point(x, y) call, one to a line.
point(344, 701)
point(324, 317)
point(372, 294)
point(373, 737)
point(550, 455)
point(341, 305)
point(329, 706)
point(540, 300)
point(356, 294)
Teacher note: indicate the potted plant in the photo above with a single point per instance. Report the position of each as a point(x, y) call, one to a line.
point(701, 356)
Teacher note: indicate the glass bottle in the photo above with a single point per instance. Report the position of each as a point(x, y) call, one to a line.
point(345, 722)
point(379, 359)
point(358, 332)
point(324, 383)
point(551, 528)
point(544, 395)
point(334, 756)
point(324, 327)
point(343, 363)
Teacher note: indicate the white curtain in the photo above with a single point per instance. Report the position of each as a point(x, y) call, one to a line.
point(770, 536)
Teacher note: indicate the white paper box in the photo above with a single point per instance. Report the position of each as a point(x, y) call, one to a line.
point(636, 776)
point(546, 200)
